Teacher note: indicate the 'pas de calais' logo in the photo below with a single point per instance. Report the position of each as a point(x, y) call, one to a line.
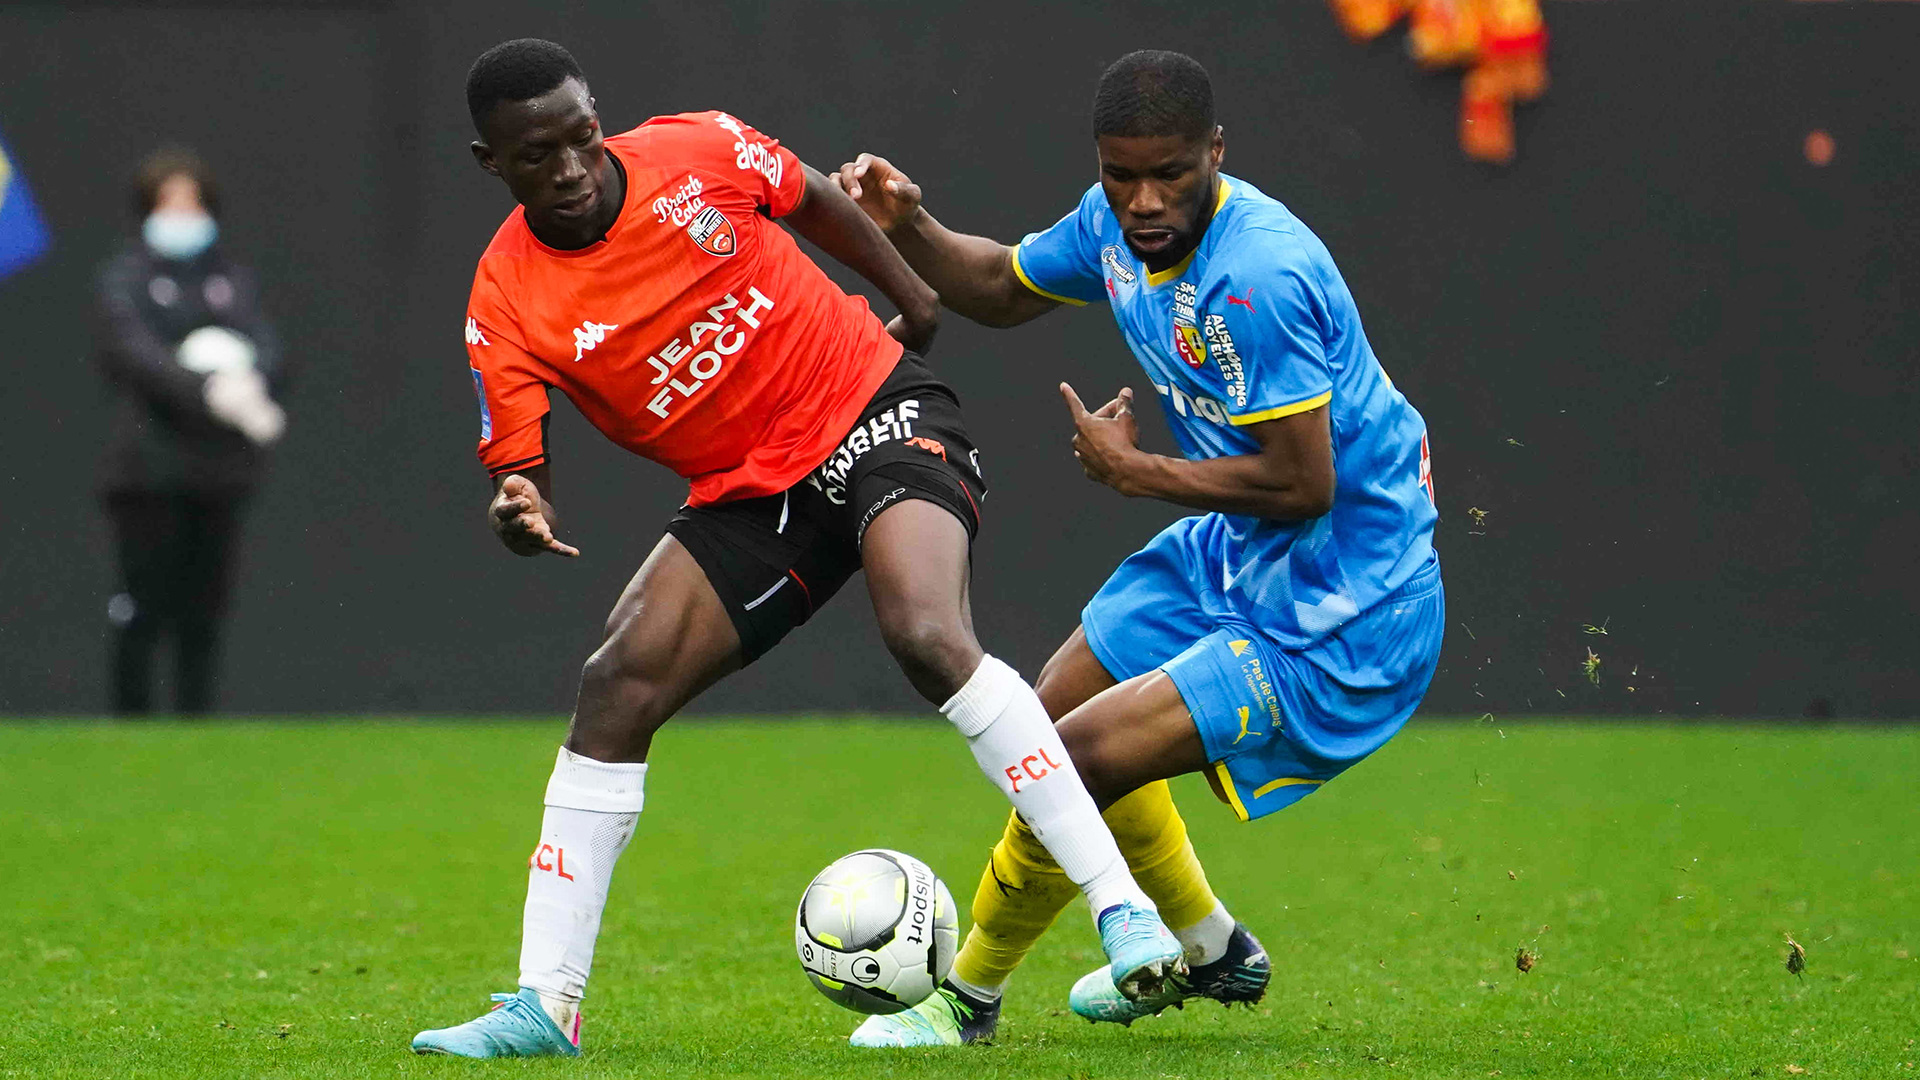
point(713, 232)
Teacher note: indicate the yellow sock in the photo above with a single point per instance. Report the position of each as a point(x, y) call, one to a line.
point(1023, 890)
point(1153, 837)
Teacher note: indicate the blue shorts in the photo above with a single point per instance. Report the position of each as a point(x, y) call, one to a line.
point(1276, 723)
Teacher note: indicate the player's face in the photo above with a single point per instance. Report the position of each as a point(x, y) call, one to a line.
point(548, 151)
point(1161, 187)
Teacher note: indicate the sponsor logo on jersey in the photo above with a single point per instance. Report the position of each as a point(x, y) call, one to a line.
point(1246, 302)
point(474, 336)
point(1117, 268)
point(728, 322)
point(895, 423)
point(931, 446)
point(589, 334)
point(683, 205)
point(1185, 404)
point(1220, 344)
point(1187, 340)
point(713, 232)
point(751, 155)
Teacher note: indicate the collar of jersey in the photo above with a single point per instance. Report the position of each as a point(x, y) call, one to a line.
point(1161, 277)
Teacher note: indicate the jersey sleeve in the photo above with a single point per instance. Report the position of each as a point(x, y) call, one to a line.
point(721, 145)
point(1063, 263)
point(509, 388)
point(1263, 328)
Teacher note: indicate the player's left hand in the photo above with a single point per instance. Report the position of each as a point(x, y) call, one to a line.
point(915, 333)
point(1106, 441)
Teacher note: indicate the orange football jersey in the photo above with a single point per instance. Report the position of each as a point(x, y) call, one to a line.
point(696, 334)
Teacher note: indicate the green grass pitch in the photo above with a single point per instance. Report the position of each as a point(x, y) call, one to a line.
point(295, 900)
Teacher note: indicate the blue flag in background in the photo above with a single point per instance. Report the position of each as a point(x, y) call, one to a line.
point(23, 235)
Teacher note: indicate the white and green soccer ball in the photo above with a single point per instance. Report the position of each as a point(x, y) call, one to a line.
point(876, 931)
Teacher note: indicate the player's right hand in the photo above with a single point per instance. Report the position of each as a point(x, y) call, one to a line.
point(519, 519)
point(884, 192)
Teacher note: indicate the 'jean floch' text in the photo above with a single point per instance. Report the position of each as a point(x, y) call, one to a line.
point(729, 337)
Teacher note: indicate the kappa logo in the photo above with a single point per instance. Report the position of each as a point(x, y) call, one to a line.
point(474, 336)
point(713, 232)
point(931, 446)
point(588, 335)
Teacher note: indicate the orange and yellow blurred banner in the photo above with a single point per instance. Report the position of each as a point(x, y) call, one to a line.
point(1501, 43)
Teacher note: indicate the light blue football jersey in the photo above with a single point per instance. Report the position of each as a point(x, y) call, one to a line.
point(1257, 324)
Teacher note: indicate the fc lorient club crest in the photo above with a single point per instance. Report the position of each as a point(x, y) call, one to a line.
point(713, 232)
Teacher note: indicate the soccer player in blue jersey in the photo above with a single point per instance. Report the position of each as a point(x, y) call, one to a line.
point(1273, 640)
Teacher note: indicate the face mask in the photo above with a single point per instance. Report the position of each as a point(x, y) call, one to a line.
point(178, 234)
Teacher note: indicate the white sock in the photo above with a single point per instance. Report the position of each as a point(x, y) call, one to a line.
point(984, 993)
point(591, 810)
point(1207, 940)
point(1013, 740)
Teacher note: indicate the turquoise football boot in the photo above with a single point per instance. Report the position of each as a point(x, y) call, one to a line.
point(1239, 977)
point(516, 1027)
point(1141, 952)
point(949, 1017)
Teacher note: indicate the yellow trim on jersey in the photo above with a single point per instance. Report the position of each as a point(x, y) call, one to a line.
point(1294, 409)
point(1161, 277)
point(1226, 785)
point(1014, 254)
point(1284, 782)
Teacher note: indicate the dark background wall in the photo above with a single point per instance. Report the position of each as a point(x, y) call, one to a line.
point(1675, 363)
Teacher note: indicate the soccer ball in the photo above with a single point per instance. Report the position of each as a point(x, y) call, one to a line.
point(876, 931)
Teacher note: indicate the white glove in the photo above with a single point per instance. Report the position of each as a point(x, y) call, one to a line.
point(215, 348)
point(239, 400)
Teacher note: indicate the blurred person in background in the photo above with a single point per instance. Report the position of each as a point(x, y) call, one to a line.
point(192, 369)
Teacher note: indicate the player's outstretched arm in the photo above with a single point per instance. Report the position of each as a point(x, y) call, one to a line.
point(836, 226)
point(522, 517)
point(1290, 479)
point(973, 274)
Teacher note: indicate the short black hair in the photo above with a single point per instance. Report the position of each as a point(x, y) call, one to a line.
point(1154, 92)
point(516, 71)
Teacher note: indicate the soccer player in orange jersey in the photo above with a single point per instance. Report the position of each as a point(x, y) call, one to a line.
point(644, 277)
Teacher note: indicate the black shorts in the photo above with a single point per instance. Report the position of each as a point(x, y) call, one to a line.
point(777, 559)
